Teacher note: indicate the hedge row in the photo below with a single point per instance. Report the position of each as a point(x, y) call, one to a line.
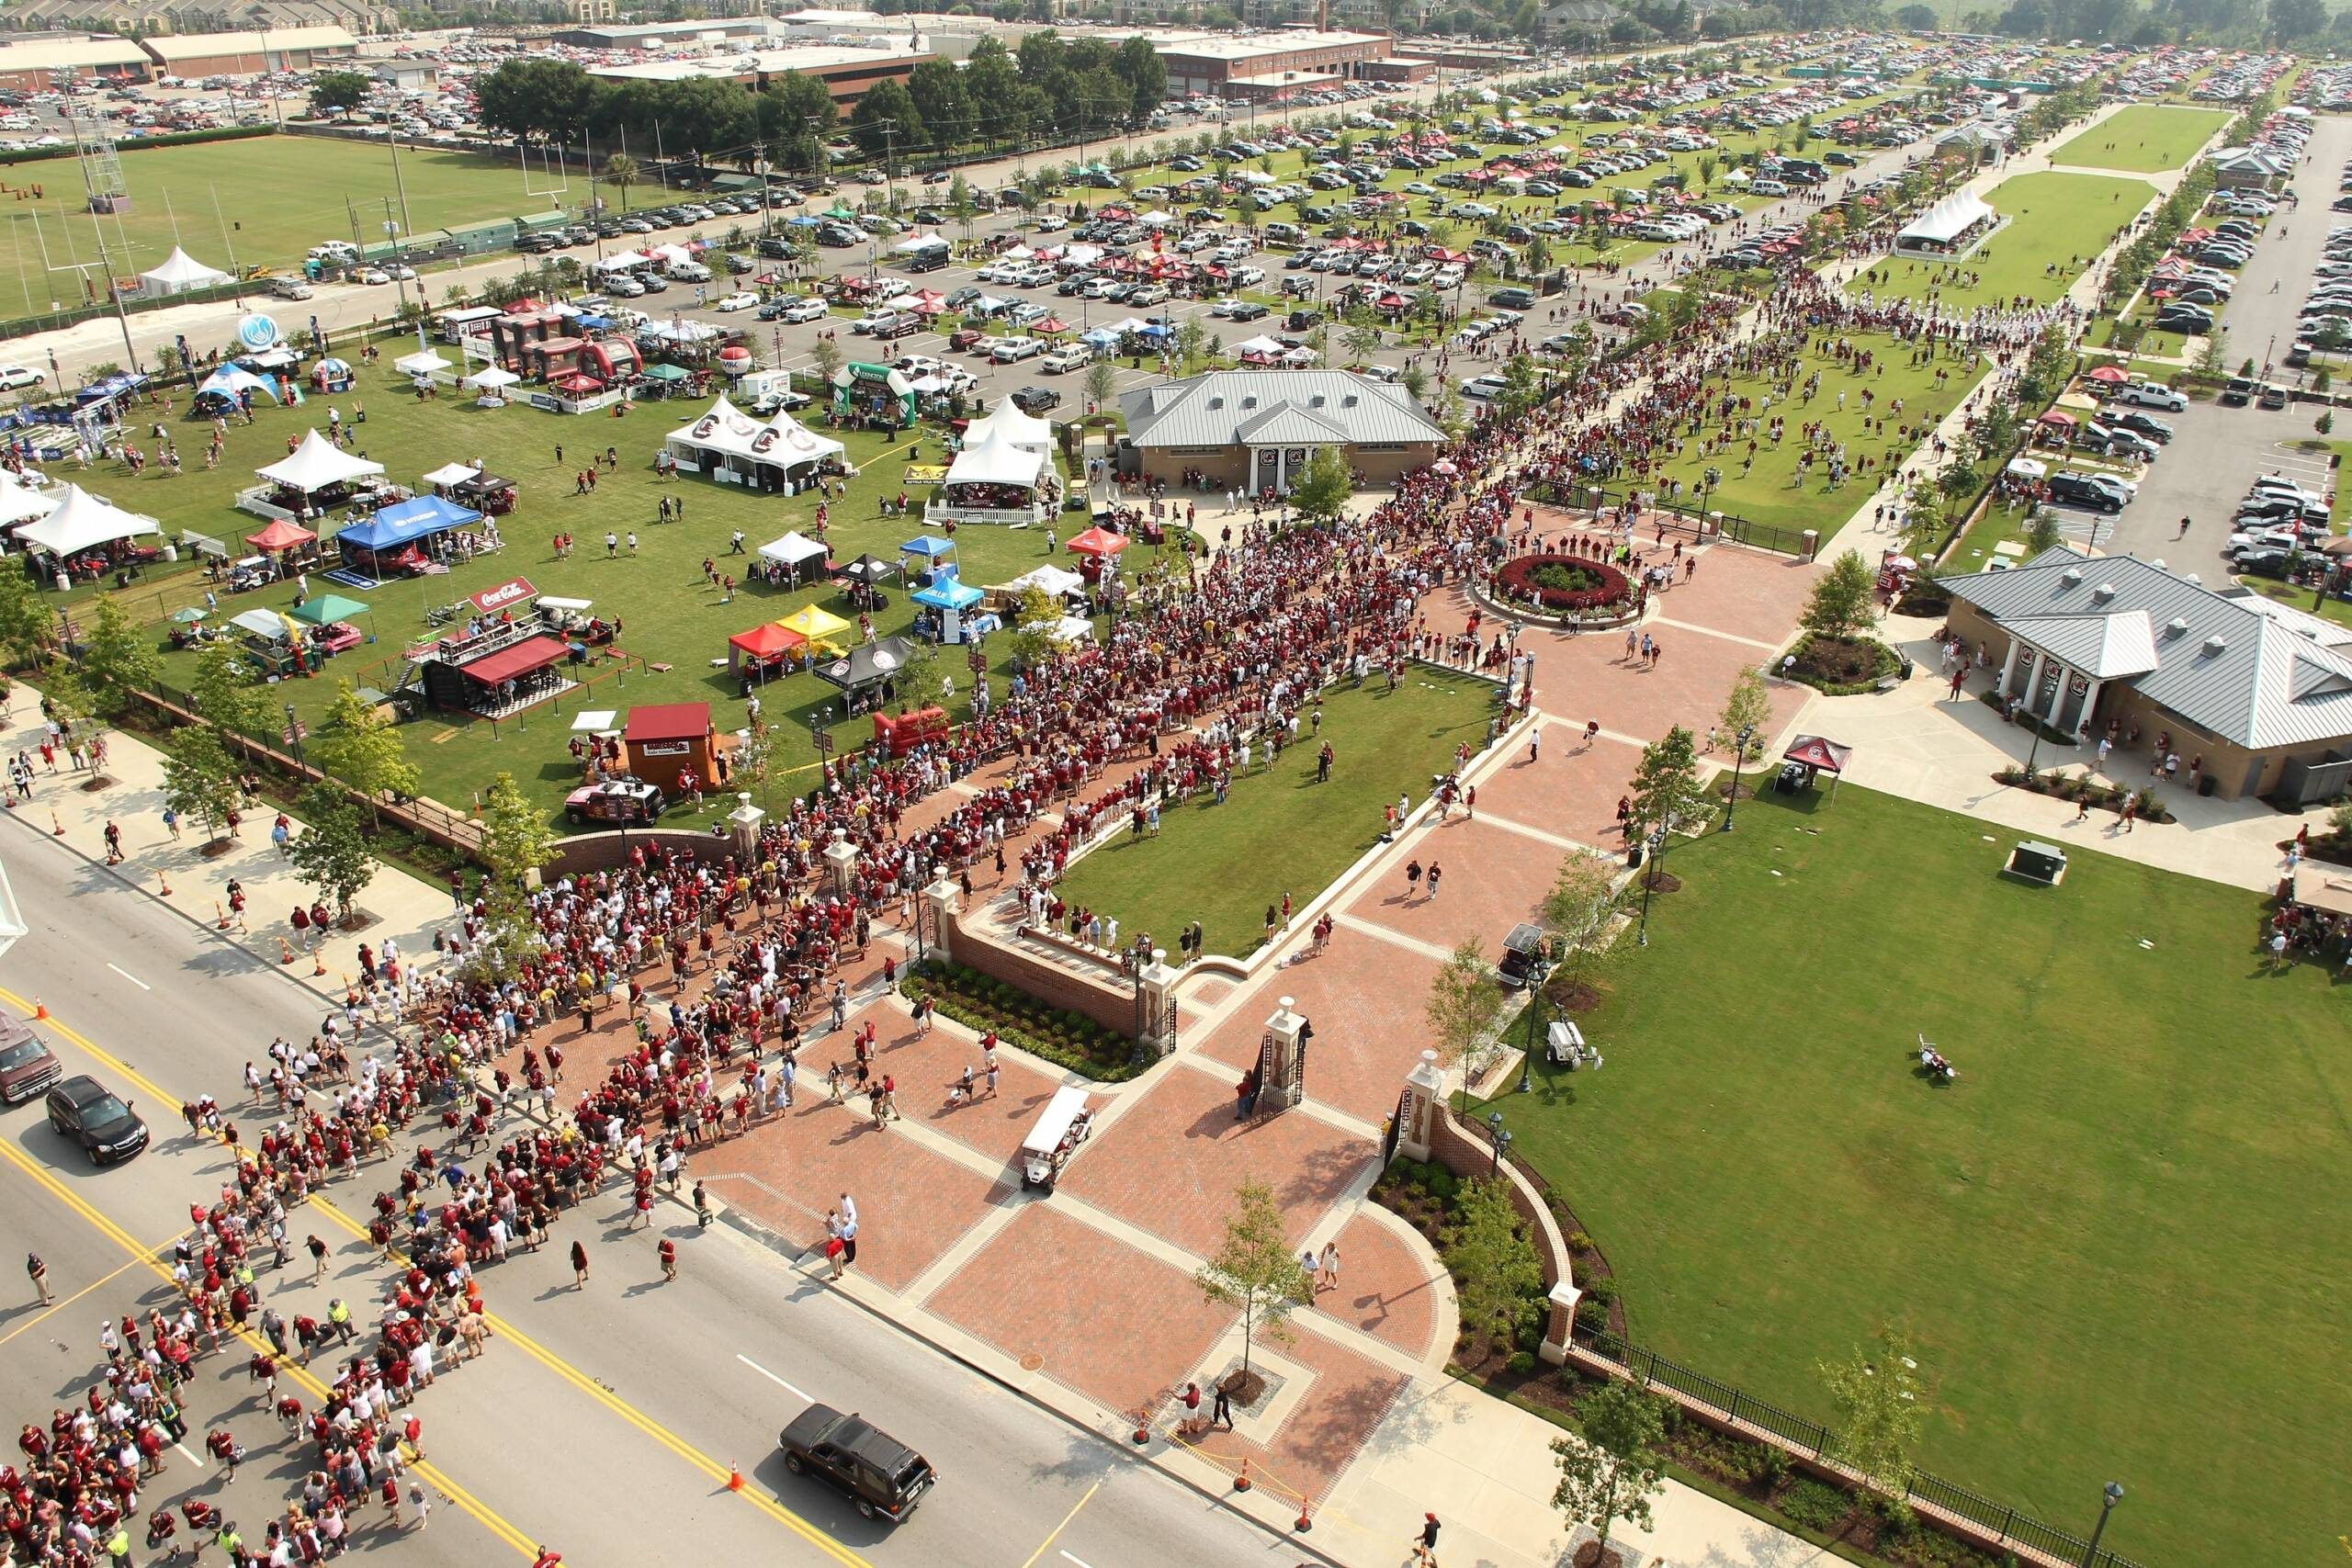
point(139, 144)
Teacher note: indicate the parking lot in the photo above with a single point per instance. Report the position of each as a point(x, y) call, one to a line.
point(2215, 455)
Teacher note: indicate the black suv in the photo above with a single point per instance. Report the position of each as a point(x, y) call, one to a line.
point(85, 1110)
point(884, 1477)
point(2073, 490)
point(1036, 399)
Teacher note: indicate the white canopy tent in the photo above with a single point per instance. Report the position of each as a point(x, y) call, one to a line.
point(452, 474)
point(317, 464)
point(994, 460)
point(1013, 424)
point(620, 261)
point(673, 253)
point(792, 549)
point(728, 441)
point(1155, 219)
point(82, 520)
point(492, 379)
point(179, 273)
point(1055, 581)
point(20, 503)
point(424, 362)
point(1945, 223)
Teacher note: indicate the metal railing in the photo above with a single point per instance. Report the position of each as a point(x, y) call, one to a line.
point(1814, 1440)
point(1677, 519)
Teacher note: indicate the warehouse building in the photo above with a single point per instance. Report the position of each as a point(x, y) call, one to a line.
point(248, 53)
point(848, 73)
point(1258, 428)
point(1269, 65)
point(29, 66)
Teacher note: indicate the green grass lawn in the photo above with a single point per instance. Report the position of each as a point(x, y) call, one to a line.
point(2056, 223)
point(2149, 139)
point(2108, 1239)
point(265, 199)
point(670, 617)
point(1281, 832)
point(1769, 493)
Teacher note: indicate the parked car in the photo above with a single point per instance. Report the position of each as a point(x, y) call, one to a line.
point(28, 1066)
point(106, 1128)
point(1063, 360)
point(624, 799)
point(884, 1477)
point(1036, 399)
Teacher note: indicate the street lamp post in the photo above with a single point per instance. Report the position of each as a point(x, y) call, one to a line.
point(1656, 855)
point(294, 736)
point(1738, 760)
point(2108, 1499)
point(1500, 1139)
point(1534, 1030)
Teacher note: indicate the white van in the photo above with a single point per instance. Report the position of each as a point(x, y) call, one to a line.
point(687, 272)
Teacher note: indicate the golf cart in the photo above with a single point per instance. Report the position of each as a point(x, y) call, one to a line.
point(1523, 961)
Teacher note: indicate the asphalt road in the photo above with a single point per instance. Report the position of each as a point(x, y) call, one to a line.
point(602, 1421)
point(2260, 324)
point(2211, 462)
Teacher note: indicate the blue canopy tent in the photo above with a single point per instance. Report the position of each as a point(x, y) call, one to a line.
point(950, 598)
point(1100, 337)
point(937, 551)
point(589, 323)
point(396, 527)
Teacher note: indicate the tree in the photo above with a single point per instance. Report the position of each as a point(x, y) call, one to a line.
point(1254, 1268)
point(1035, 619)
point(28, 620)
point(1746, 707)
point(331, 855)
point(1881, 1404)
point(795, 111)
point(1579, 908)
point(1102, 384)
point(884, 120)
point(1708, 166)
point(1497, 1278)
point(620, 171)
point(825, 357)
point(2292, 19)
point(1666, 790)
point(702, 115)
point(199, 779)
point(1461, 1005)
point(515, 842)
point(1191, 343)
point(937, 89)
point(337, 92)
point(1362, 341)
point(1840, 604)
point(223, 691)
point(538, 99)
point(1139, 65)
point(119, 661)
point(1617, 1467)
point(361, 746)
point(1321, 494)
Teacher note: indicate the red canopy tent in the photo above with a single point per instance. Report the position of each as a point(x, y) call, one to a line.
point(764, 645)
point(2109, 374)
point(1822, 755)
point(281, 536)
point(1098, 542)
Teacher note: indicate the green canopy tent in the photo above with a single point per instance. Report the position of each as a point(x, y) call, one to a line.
point(328, 608)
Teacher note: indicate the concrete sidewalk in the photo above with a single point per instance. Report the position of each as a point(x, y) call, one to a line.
point(400, 906)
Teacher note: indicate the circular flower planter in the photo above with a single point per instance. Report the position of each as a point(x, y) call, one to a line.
point(1555, 590)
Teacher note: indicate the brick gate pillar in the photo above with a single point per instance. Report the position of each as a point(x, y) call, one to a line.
point(936, 917)
point(1281, 1060)
point(1159, 1036)
point(841, 864)
point(744, 832)
point(1424, 1097)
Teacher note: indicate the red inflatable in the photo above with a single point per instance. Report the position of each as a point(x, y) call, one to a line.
point(904, 732)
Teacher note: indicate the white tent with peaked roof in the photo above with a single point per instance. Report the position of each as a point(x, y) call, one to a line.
point(318, 463)
point(179, 273)
point(1014, 426)
point(81, 522)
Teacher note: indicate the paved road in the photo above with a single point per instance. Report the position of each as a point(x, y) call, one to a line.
point(602, 1421)
point(2202, 476)
point(2260, 324)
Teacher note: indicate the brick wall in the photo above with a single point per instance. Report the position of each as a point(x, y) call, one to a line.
point(1111, 1006)
point(1467, 1154)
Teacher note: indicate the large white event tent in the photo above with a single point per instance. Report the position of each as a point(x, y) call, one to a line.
point(20, 503)
point(1945, 223)
point(317, 464)
point(727, 439)
point(179, 273)
point(1010, 422)
point(82, 522)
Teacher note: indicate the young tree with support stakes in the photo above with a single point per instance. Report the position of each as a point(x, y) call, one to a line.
point(1840, 604)
point(1322, 494)
point(1882, 1404)
point(1101, 385)
point(1577, 909)
point(1747, 707)
point(330, 854)
point(28, 620)
point(1459, 1007)
point(515, 842)
point(1611, 1474)
point(223, 694)
point(200, 779)
point(1497, 1278)
point(1665, 788)
point(360, 745)
point(119, 661)
point(1254, 1270)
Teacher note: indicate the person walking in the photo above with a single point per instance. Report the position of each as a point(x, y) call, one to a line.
point(419, 1502)
point(1221, 1409)
point(1425, 1543)
point(669, 1252)
point(1327, 1267)
point(39, 1272)
point(579, 1267)
point(1412, 880)
point(1434, 870)
point(318, 1259)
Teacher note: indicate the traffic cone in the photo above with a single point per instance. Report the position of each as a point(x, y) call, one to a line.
point(318, 964)
point(164, 878)
point(734, 1477)
point(56, 826)
point(1304, 1523)
point(223, 923)
point(40, 1009)
point(1143, 1428)
point(1241, 1481)
point(285, 954)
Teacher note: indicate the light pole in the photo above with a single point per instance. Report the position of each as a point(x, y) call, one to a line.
point(2108, 1499)
point(1649, 880)
point(294, 736)
point(1738, 760)
point(1535, 1028)
point(1499, 1139)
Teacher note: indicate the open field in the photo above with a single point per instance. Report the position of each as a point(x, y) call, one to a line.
point(2150, 138)
point(263, 200)
point(2056, 223)
point(670, 616)
point(1280, 831)
point(2101, 1239)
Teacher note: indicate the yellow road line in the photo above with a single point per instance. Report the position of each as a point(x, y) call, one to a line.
point(1063, 1526)
point(297, 1374)
point(677, 1445)
point(96, 1285)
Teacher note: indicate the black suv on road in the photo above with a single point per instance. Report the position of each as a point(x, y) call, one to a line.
point(86, 1111)
point(884, 1477)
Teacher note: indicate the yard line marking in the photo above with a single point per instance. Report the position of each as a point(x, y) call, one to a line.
point(1082, 1562)
point(187, 1456)
point(129, 977)
point(1061, 1527)
point(773, 1379)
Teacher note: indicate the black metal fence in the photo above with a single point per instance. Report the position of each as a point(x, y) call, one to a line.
point(1675, 519)
point(1813, 1439)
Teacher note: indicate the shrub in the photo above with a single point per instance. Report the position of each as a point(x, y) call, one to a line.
point(1523, 1362)
point(1530, 1335)
point(1531, 578)
point(1816, 1505)
point(1592, 1314)
point(1443, 1185)
point(1771, 1463)
point(1602, 1290)
point(1580, 1242)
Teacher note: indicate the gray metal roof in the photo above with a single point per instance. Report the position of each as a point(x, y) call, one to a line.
point(2106, 648)
point(2228, 664)
point(1212, 410)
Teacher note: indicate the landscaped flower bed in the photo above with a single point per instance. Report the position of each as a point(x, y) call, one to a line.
point(1562, 582)
point(1066, 1039)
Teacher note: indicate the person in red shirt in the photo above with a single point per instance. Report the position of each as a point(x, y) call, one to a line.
point(668, 1251)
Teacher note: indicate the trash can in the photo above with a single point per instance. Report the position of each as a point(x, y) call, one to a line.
point(2208, 784)
point(1634, 853)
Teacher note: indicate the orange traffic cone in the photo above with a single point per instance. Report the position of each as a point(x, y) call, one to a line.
point(1241, 1481)
point(41, 1007)
point(285, 954)
point(318, 964)
point(1304, 1522)
point(223, 923)
point(165, 877)
point(56, 826)
point(734, 1478)
point(1143, 1428)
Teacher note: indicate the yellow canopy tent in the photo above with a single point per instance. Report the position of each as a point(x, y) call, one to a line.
point(818, 625)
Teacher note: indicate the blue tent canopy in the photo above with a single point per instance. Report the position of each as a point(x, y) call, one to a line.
point(407, 522)
point(592, 321)
point(1154, 329)
point(802, 220)
point(931, 547)
point(1100, 336)
point(947, 593)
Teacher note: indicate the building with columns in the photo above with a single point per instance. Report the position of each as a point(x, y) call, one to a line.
point(2257, 691)
point(1258, 428)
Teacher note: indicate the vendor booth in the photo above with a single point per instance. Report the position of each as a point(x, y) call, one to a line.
point(994, 480)
point(950, 602)
point(20, 502)
point(819, 626)
point(230, 387)
point(491, 383)
point(273, 642)
point(733, 447)
point(793, 560)
point(763, 652)
point(399, 539)
point(1014, 426)
point(666, 741)
point(873, 397)
point(334, 620)
point(1808, 756)
point(289, 546)
point(87, 536)
point(868, 675)
point(317, 475)
point(180, 273)
point(1098, 552)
